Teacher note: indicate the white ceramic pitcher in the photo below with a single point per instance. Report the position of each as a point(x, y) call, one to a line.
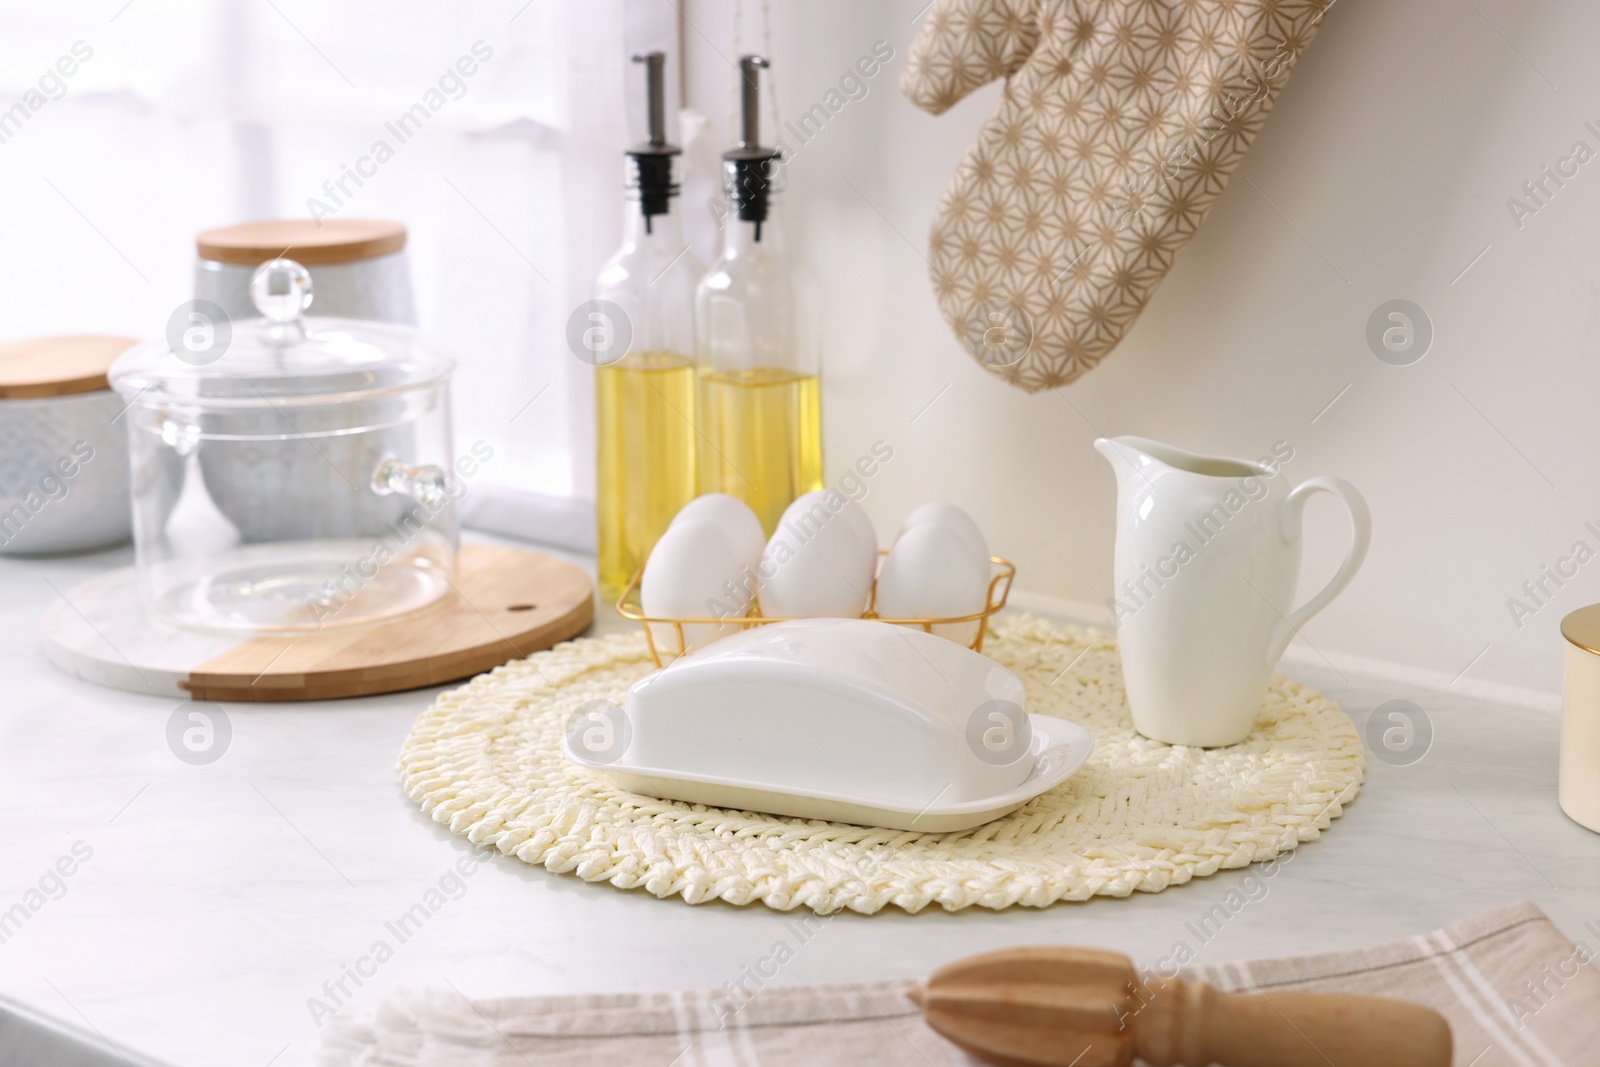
point(1207, 560)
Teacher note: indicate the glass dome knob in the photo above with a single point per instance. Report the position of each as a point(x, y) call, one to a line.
point(281, 290)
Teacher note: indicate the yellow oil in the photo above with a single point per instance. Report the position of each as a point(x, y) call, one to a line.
point(644, 416)
point(760, 437)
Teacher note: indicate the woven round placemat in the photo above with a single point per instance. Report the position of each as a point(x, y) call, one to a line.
point(486, 761)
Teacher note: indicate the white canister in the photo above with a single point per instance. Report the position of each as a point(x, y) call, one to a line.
point(1579, 788)
point(63, 453)
point(358, 266)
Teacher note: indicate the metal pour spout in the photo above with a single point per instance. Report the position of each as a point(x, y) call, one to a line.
point(655, 64)
point(652, 169)
point(750, 101)
point(749, 167)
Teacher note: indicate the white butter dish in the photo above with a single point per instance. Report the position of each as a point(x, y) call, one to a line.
point(848, 720)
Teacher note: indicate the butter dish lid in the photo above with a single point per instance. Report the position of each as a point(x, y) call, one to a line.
point(1582, 628)
point(280, 359)
point(938, 678)
point(847, 707)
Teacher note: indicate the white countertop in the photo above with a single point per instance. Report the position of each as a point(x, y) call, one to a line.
point(219, 898)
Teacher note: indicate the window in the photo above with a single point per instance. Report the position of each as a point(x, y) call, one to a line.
point(133, 128)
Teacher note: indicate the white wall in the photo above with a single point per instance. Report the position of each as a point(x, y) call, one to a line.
point(1391, 155)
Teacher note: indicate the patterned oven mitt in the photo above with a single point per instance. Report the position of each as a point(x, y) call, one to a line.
point(1120, 123)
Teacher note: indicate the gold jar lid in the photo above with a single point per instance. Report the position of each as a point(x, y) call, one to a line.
point(1582, 628)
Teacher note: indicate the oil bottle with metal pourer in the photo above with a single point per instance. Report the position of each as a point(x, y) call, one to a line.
point(644, 364)
point(760, 406)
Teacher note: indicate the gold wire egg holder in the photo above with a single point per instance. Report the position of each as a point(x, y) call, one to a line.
point(1002, 571)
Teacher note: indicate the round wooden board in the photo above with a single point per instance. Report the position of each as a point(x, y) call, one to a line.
point(509, 603)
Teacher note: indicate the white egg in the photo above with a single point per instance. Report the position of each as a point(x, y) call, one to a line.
point(857, 515)
point(932, 573)
point(811, 510)
point(956, 520)
point(735, 517)
point(820, 561)
point(692, 572)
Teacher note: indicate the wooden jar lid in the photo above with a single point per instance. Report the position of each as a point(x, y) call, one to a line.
point(307, 242)
point(58, 366)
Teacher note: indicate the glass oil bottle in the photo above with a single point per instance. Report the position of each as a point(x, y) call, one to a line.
point(760, 407)
point(645, 389)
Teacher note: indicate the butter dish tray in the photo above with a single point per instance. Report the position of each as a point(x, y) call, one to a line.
point(845, 720)
point(1059, 748)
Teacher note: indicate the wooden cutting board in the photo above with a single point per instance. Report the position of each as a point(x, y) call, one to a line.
point(509, 603)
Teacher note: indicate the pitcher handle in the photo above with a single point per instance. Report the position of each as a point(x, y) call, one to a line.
point(1361, 537)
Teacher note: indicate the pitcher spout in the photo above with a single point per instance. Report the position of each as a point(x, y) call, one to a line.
point(1123, 453)
point(1127, 454)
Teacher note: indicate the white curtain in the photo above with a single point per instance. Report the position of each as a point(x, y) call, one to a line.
point(134, 125)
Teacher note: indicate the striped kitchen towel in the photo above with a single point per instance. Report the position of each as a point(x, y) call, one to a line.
point(1517, 992)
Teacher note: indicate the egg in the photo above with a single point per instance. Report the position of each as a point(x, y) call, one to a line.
point(820, 561)
point(931, 572)
point(954, 519)
point(735, 517)
point(857, 516)
point(693, 571)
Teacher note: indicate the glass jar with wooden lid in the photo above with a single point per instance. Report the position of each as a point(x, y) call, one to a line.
point(63, 455)
point(358, 266)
